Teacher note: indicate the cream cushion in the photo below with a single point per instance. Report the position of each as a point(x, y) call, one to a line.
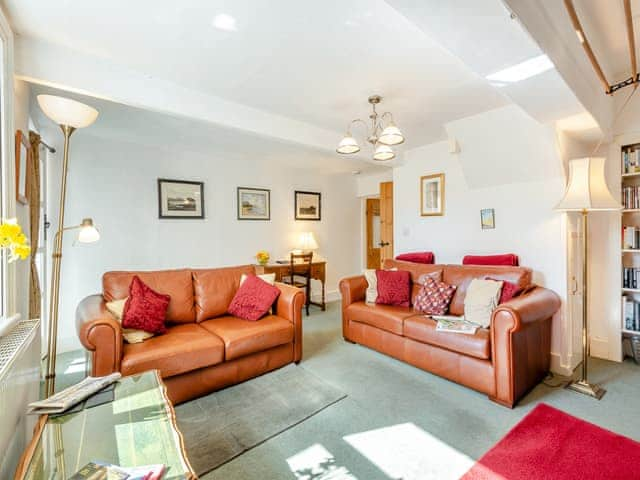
point(481, 300)
point(372, 284)
point(131, 335)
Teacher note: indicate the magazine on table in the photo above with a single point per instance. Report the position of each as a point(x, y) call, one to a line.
point(107, 471)
point(453, 324)
point(69, 397)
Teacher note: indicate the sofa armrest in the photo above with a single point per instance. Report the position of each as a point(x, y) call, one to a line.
point(521, 343)
point(101, 334)
point(289, 307)
point(352, 290)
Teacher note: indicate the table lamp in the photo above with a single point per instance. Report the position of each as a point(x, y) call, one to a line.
point(307, 242)
point(69, 115)
point(587, 191)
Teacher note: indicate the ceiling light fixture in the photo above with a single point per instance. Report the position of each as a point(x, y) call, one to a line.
point(225, 22)
point(380, 136)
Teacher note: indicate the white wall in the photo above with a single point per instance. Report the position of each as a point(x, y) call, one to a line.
point(116, 183)
point(526, 223)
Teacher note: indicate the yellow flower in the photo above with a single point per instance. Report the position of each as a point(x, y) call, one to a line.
point(22, 251)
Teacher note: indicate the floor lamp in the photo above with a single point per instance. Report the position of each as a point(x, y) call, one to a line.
point(70, 115)
point(587, 191)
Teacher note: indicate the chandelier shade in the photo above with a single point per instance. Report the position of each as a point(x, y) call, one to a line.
point(391, 135)
point(348, 145)
point(380, 134)
point(383, 153)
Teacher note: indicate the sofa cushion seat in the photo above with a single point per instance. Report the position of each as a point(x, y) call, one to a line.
point(243, 337)
point(182, 349)
point(384, 317)
point(423, 330)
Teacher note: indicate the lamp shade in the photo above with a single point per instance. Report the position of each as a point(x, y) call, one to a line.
point(391, 135)
point(587, 188)
point(65, 111)
point(348, 145)
point(383, 152)
point(307, 241)
point(88, 232)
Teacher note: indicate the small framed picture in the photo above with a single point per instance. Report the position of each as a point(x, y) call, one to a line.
point(254, 203)
point(307, 205)
point(487, 218)
point(432, 195)
point(23, 163)
point(180, 199)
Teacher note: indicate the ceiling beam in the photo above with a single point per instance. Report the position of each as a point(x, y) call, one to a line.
point(577, 26)
point(631, 39)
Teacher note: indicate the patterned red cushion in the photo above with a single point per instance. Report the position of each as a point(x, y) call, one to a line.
point(509, 290)
point(434, 297)
point(145, 309)
point(253, 299)
point(394, 287)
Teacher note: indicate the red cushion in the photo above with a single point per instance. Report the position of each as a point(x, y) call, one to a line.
point(253, 299)
point(507, 259)
point(417, 257)
point(434, 297)
point(509, 289)
point(145, 309)
point(394, 287)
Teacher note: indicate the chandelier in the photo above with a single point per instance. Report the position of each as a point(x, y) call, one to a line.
point(380, 136)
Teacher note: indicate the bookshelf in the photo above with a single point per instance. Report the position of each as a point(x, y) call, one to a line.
point(630, 241)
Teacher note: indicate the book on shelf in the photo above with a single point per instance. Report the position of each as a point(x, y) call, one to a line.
point(631, 237)
point(631, 197)
point(630, 161)
point(631, 314)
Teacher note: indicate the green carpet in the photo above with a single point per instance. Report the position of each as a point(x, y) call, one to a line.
point(400, 422)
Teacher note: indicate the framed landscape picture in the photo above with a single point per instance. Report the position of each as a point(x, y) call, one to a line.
point(180, 199)
point(254, 203)
point(307, 205)
point(432, 195)
point(487, 218)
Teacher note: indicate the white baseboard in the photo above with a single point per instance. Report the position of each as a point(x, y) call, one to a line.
point(557, 366)
point(330, 296)
point(600, 348)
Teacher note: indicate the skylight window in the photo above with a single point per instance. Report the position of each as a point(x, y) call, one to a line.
point(516, 73)
point(225, 22)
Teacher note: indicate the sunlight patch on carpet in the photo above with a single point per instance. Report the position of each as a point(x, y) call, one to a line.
point(406, 451)
point(317, 463)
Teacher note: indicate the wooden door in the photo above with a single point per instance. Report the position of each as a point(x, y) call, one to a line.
point(373, 233)
point(386, 221)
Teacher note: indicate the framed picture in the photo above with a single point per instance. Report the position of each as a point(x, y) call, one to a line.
point(254, 203)
point(432, 195)
point(307, 205)
point(487, 218)
point(180, 199)
point(23, 162)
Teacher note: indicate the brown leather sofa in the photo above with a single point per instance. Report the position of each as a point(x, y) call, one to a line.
point(503, 361)
point(204, 349)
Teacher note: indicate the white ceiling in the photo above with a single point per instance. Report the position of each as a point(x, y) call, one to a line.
point(315, 62)
point(129, 124)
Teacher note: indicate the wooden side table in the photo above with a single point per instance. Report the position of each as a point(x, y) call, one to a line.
point(137, 428)
point(318, 272)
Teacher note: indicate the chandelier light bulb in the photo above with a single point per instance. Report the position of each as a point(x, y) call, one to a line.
point(348, 145)
point(391, 135)
point(383, 153)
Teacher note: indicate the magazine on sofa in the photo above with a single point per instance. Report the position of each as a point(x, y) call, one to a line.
point(453, 324)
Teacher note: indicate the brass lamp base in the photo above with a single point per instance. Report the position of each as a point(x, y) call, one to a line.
point(586, 388)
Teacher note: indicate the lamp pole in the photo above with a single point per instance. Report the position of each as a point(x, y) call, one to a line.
point(55, 274)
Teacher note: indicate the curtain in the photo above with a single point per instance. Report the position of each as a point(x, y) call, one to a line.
point(33, 182)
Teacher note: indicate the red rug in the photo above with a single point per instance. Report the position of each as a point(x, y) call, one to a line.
point(550, 444)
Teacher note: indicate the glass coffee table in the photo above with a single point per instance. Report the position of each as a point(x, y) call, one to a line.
point(137, 428)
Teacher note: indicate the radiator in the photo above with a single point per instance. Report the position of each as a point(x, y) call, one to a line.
point(19, 385)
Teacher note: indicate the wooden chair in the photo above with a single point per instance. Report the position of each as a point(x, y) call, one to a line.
point(300, 274)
